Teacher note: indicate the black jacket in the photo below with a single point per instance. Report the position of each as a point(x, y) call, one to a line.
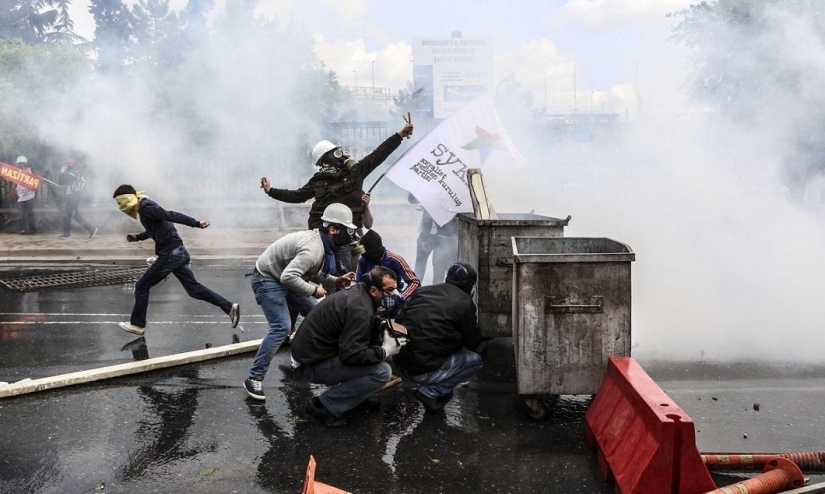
point(342, 324)
point(158, 224)
point(441, 320)
point(344, 185)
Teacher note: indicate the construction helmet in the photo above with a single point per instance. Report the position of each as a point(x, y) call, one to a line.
point(339, 214)
point(21, 160)
point(320, 149)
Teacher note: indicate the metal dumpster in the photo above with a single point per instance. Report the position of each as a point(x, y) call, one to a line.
point(571, 311)
point(486, 245)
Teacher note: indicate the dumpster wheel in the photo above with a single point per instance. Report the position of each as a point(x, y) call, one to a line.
point(537, 407)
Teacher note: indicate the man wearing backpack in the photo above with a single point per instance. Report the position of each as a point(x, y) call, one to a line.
point(73, 185)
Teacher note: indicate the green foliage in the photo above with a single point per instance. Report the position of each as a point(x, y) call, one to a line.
point(33, 80)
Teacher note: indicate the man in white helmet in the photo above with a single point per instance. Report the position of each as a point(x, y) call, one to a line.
point(25, 201)
point(293, 273)
point(340, 179)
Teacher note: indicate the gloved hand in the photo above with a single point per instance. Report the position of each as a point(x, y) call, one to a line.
point(392, 346)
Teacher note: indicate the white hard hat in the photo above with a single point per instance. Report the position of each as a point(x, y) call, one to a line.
point(338, 213)
point(320, 149)
point(21, 159)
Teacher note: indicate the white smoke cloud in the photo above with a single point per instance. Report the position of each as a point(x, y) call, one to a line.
point(616, 14)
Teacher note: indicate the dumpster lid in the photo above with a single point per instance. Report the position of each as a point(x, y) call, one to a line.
point(515, 219)
point(570, 249)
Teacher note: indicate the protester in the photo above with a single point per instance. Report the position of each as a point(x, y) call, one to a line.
point(445, 248)
point(289, 276)
point(73, 185)
point(172, 256)
point(441, 323)
point(340, 179)
point(25, 201)
point(375, 254)
point(340, 345)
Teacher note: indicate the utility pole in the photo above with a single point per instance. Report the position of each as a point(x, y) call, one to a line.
point(373, 74)
point(575, 105)
point(545, 91)
point(355, 72)
point(638, 93)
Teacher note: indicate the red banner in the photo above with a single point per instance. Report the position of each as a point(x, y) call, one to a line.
point(19, 176)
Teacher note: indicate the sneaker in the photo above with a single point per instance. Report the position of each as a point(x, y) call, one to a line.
point(94, 232)
point(254, 389)
point(235, 314)
point(317, 409)
point(432, 405)
point(131, 328)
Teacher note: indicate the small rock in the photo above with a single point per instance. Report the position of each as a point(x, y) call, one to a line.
point(745, 436)
point(756, 407)
point(714, 398)
point(209, 345)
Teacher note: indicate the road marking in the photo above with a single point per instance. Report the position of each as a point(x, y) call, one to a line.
point(46, 323)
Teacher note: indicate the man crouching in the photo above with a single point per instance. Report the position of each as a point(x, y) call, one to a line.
point(340, 345)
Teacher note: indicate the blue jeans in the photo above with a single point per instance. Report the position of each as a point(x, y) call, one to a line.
point(350, 384)
point(458, 367)
point(176, 262)
point(70, 205)
point(276, 301)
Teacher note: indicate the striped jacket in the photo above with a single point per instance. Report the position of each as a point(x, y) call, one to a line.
point(408, 282)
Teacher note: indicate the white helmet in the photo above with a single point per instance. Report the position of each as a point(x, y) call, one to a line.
point(338, 213)
point(320, 149)
point(21, 160)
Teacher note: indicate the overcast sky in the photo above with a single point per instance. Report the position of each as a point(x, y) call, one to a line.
point(613, 44)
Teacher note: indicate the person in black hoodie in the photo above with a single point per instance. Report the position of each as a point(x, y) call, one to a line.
point(172, 256)
point(443, 334)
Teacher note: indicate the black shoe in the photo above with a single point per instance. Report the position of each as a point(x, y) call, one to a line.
point(254, 389)
point(432, 405)
point(317, 409)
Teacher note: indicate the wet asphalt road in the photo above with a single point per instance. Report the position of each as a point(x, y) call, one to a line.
point(192, 428)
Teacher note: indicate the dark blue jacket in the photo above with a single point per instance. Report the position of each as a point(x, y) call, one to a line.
point(158, 224)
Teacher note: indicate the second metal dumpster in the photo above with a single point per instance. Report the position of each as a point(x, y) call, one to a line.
point(571, 311)
point(486, 245)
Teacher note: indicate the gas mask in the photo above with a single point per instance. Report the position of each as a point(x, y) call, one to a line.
point(391, 304)
point(335, 158)
point(344, 236)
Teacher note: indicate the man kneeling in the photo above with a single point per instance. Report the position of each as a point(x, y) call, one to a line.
point(443, 331)
point(340, 345)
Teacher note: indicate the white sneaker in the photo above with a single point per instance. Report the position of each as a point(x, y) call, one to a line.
point(235, 314)
point(130, 328)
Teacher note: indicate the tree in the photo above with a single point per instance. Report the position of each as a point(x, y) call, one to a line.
point(28, 20)
point(63, 28)
point(753, 62)
point(114, 25)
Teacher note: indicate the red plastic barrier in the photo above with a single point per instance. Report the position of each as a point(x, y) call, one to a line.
point(312, 486)
point(646, 443)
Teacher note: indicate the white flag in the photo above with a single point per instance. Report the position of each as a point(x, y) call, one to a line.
point(434, 170)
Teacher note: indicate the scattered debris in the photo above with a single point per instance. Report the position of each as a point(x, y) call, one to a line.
point(208, 471)
point(756, 407)
point(745, 436)
point(714, 398)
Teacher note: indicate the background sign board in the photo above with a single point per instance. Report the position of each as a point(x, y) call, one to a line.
point(451, 73)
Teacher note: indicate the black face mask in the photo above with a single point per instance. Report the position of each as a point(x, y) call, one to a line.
point(343, 237)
